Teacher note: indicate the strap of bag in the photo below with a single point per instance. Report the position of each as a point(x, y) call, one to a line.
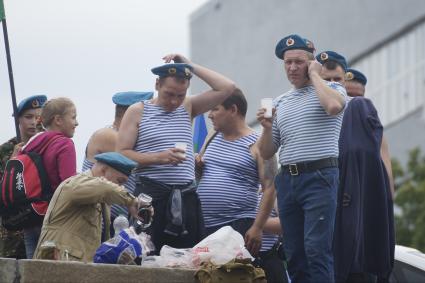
point(211, 135)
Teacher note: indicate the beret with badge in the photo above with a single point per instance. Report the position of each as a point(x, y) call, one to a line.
point(293, 41)
point(326, 56)
point(180, 70)
point(128, 98)
point(32, 102)
point(354, 75)
point(117, 161)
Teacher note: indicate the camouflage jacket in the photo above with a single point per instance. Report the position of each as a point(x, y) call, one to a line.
point(6, 151)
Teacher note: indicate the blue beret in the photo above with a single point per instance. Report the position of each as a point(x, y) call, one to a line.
point(355, 75)
point(130, 97)
point(180, 70)
point(332, 56)
point(32, 102)
point(117, 161)
point(293, 41)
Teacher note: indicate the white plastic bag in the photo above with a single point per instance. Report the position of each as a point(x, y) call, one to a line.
point(221, 247)
point(170, 257)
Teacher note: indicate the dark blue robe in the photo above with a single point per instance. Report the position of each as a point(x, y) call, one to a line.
point(364, 238)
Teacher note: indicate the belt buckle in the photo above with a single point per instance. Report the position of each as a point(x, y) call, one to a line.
point(293, 169)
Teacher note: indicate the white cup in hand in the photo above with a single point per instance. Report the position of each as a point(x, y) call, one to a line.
point(267, 103)
point(182, 146)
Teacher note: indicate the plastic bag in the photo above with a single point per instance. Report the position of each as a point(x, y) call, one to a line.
point(221, 247)
point(170, 257)
point(124, 248)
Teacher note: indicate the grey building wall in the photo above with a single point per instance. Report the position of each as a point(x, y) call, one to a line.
point(238, 37)
point(406, 134)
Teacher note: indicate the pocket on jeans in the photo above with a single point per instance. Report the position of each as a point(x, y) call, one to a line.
point(328, 177)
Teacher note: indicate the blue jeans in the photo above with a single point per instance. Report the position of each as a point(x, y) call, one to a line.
point(31, 236)
point(307, 206)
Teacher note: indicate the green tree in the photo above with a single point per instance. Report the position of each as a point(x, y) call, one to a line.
point(410, 199)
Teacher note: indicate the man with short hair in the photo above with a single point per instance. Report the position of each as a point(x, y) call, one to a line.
point(29, 111)
point(306, 129)
point(233, 171)
point(73, 219)
point(105, 140)
point(157, 134)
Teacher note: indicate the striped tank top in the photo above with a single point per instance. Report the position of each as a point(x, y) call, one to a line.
point(303, 129)
point(159, 130)
point(229, 184)
point(87, 165)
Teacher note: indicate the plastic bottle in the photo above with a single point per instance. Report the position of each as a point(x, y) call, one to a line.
point(120, 223)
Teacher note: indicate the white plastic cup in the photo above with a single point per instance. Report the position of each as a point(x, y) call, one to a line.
point(182, 146)
point(267, 103)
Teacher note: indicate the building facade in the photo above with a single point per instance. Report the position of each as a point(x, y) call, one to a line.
point(238, 37)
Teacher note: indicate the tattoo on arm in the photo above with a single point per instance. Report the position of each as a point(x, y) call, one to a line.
point(270, 169)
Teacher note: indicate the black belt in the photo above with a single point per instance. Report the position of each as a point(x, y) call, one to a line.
point(309, 166)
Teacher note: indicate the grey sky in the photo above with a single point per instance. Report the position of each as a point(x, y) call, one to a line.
point(87, 50)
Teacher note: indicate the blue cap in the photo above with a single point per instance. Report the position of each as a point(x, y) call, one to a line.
point(180, 70)
point(293, 41)
point(325, 56)
point(32, 102)
point(355, 75)
point(128, 98)
point(117, 161)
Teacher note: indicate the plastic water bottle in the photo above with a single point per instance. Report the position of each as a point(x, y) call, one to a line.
point(120, 223)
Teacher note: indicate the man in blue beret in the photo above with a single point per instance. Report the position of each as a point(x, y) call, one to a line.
point(29, 111)
point(157, 134)
point(334, 66)
point(364, 227)
point(73, 219)
point(355, 83)
point(104, 140)
point(306, 124)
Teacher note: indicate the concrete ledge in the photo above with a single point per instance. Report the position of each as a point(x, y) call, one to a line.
point(7, 270)
point(27, 271)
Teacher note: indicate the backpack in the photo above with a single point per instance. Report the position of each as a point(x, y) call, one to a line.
point(237, 270)
point(25, 190)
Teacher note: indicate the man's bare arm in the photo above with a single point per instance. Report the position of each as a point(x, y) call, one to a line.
point(267, 170)
point(330, 99)
point(221, 86)
point(386, 158)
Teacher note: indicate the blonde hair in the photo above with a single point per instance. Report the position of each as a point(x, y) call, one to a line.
point(55, 106)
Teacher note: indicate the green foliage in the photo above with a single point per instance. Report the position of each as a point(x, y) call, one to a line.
point(410, 198)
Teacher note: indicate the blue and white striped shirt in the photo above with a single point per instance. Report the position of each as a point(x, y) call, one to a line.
point(159, 130)
point(87, 164)
point(229, 184)
point(303, 129)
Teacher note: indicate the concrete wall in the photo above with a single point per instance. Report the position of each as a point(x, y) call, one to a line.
point(37, 271)
point(238, 37)
point(405, 135)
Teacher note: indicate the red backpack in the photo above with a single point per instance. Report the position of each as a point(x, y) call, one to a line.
point(25, 190)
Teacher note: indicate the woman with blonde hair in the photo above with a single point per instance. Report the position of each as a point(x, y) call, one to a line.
point(58, 153)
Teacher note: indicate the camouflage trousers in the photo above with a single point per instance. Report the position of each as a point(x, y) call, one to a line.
point(11, 243)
